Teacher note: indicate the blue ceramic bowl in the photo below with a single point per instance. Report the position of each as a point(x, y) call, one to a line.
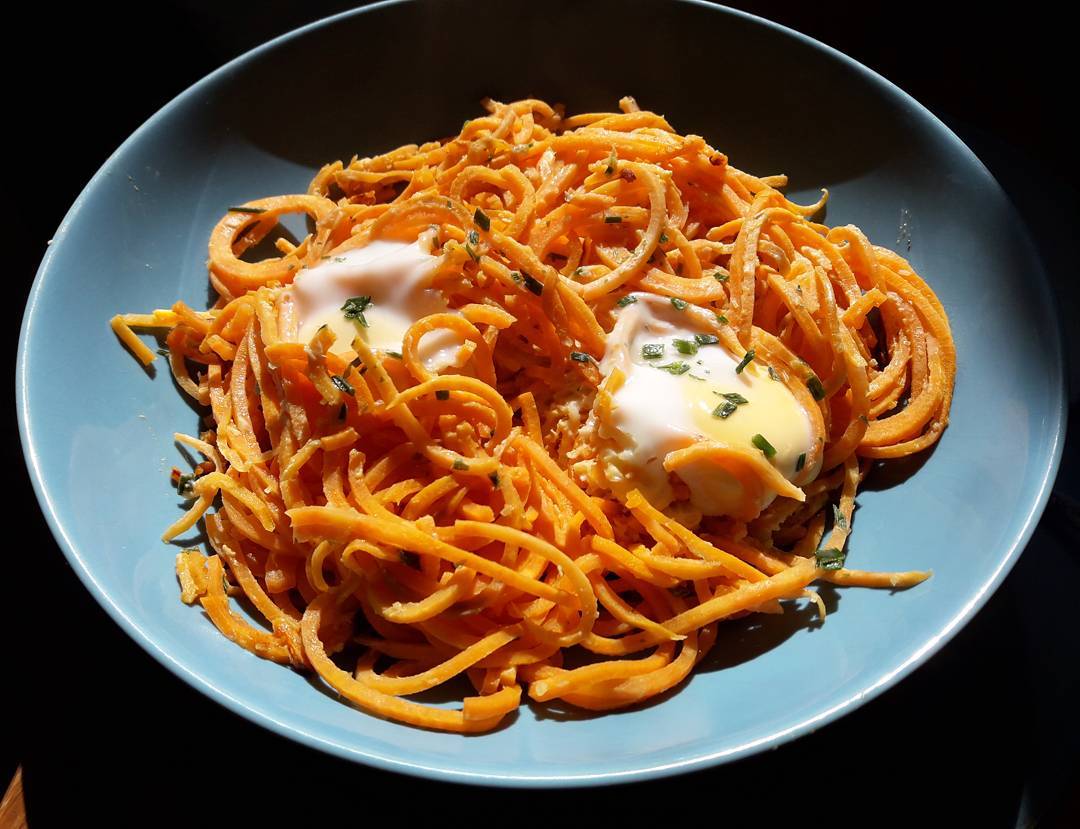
point(400, 72)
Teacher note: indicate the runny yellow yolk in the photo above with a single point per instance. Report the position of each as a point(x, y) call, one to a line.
point(676, 399)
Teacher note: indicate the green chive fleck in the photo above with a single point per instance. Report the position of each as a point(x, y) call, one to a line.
point(460, 465)
point(663, 239)
point(816, 389)
point(725, 410)
point(442, 394)
point(629, 299)
point(734, 397)
point(612, 160)
point(745, 361)
point(720, 275)
point(651, 351)
point(612, 220)
point(342, 385)
point(767, 448)
point(773, 374)
point(481, 219)
point(580, 357)
point(675, 368)
point(720, 318)
point(830, 558)
point(252, 210)
point(706, 339)
point(355, 307)
point(838, 517)
point(534, 284)
point(801, 462)
point(494, 478)
point(685, 347)
point(679, 304)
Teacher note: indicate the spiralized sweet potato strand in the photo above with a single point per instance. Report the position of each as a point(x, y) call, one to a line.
point(444, 525)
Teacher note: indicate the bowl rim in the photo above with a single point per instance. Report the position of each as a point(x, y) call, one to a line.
point(447, 773)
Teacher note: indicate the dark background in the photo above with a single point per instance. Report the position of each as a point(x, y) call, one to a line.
point(988, 730)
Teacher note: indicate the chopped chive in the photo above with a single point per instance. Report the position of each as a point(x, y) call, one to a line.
point(679, 304)
point(342, 412)
point(164, 352)
point(185, 485)
point(516, 276)
point(767, 448)
point(816, 389)
point(663, 239)
point(355, 307)
point(460, 465)
point(395, 354)
point(342, 385)
point(409, 559)
point(580, 357)
point(830, 558)
point(864, 419)
point(612, 160)
point(442, 394)
point(801, 462)
point(745, 361)
point(482, 220)
point(734, 397)
point(773, 374)
point(685, 346)
point(629, 299)
point(725, 410)
point(838, 517)
point(651, 351)
point(720, 275)
point(612, 220)
point(534, 284)
point(693, 376)
point(579, 272)
point(706, 339)
point(720, 318)
point(675, 368)
point(494, 478)
point(252, 210)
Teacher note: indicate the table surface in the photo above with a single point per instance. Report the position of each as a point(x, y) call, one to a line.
point(988, 728)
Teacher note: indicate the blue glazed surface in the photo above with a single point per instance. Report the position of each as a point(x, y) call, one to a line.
point(136, 240)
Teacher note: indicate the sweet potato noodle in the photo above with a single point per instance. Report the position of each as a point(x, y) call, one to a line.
point(418, 526)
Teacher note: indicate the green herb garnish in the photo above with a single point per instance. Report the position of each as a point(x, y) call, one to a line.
point(773, 374)
point(679, 304)
point(720, 276)
point(629, 299)
point(720, 318)
point(651, 351)
point(767, 448)
point(830, 558)
point(685, 347)
point(675, 368)
point(612, 220)
point(516, 276)
point(663, 239)
point(395, 354)
point(344, 410)
point(460, 465)
point(534, 284)
point(725, 410)
point(482, 220)
point(185, 485)
point(580, 357)
point(252, 210)
point(612, 160)
point(801, 462)
point(342, 385)
point(838, 518)
point(355, 307)
point(734, 397)
point(745, 361)
point(817, 390)
point(442, 394)
point(706, 339)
